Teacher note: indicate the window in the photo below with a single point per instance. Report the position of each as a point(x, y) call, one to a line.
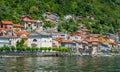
point(62, 44)
point(76, 37)
point(34, 40)
point(28, 25)
point(45, 40)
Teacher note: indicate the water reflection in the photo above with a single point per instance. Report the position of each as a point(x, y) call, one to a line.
point(59, 64)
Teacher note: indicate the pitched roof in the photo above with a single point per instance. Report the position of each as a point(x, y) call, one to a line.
point(24, 36)
point(96, 35)
point(7, 29)
point(21, 32)
point(85, 29)
point(17, 25)
point(111, 41)
point(6, 22)
point(30, 20)
point(95, 43)
point(65, 41)
point(78, 41)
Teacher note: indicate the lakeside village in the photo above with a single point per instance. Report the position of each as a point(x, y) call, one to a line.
point(31, 37)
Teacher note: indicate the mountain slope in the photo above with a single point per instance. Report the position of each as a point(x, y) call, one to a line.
point(106, 13)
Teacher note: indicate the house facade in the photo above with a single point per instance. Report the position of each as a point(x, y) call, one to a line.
point(17, 27)
point(39, 40)
point(52, 17)
point(29, 24)
point(6, 24)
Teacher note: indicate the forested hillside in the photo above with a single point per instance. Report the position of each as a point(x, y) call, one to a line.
point(106, 13)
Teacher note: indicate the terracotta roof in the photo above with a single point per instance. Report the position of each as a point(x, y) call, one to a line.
point(95, 39)
point(85, 36)
point(88, 40)
point(96, 35)
point(23, 16)
point(30, 20)
point(104, 36)
point(7, 22)
point(26, 33)
point(111, 41)
point(24, 36)
point(57, 39)
point(76, 34)
point(79, 30)
point(79, 41)
point(8, 36)
point(66, 41)
point(95, 43)
point(1, 28)
point(5, 29)
point(18, 25)
point(19, 32)
point(85, 29)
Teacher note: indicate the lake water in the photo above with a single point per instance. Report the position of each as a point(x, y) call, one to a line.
point(60, 64)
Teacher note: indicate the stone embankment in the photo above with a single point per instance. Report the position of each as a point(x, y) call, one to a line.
point(34, 54)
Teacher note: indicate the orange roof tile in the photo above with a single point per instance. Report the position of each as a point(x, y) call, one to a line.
point(5, 29)
point(57, 39)
point(30, 20)
point(85, 36)
point(85, 29)
point(19, 32)
point(7, 22)
point(88, 40)
point(111, 41)
point(95, 43)
point(26, 33)
point(94, 39)
point(96, 35)
point(66, 41)
point(79, 41)
point(18, 25)
point(24, 36)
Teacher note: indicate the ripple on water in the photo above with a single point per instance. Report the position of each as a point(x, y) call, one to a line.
point(60, 64)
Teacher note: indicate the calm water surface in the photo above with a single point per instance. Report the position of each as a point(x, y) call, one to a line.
point(60, 64)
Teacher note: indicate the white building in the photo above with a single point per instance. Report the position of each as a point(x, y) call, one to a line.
point(30, 24)
point(8, 41)
point(39, 40)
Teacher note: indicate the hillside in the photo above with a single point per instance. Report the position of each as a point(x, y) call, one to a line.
point(106, 13)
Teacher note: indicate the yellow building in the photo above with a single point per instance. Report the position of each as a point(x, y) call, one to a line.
point(17, 27)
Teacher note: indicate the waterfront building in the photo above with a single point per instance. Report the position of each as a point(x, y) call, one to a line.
point(41, 39)
point(8, 41)
point(7, 37)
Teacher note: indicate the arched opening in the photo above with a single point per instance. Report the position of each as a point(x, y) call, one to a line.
point(34, 45)
point(34, 40)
